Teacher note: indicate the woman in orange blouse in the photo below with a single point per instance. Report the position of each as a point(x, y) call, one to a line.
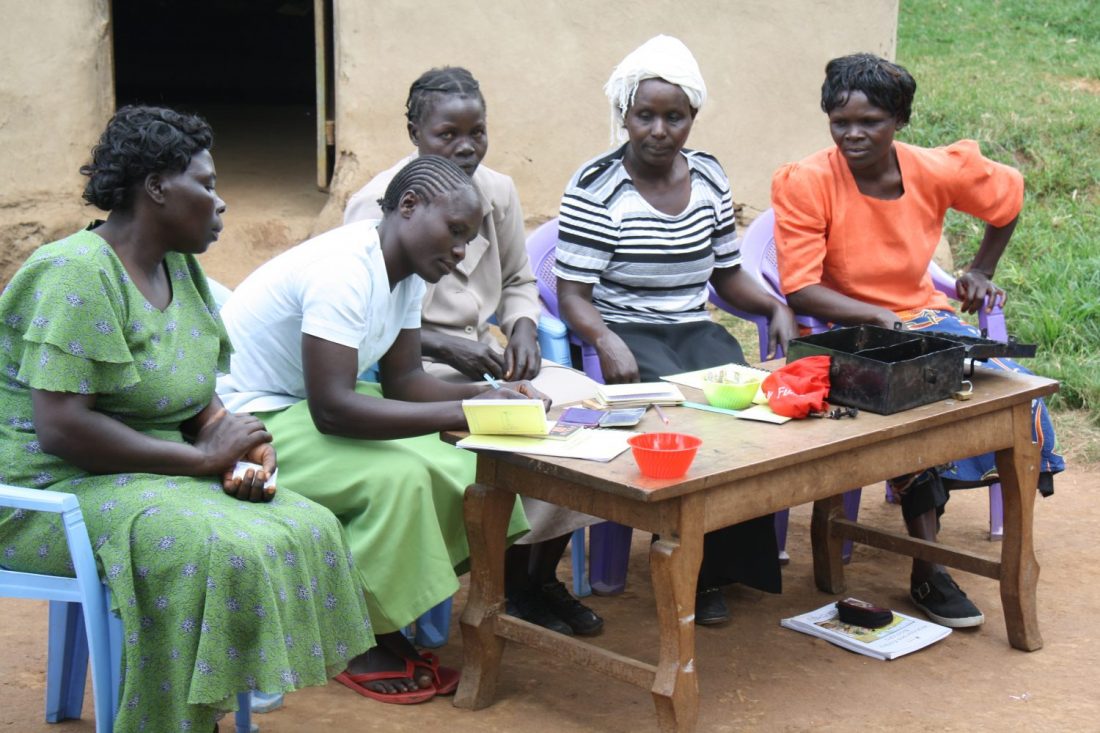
point(856, 226)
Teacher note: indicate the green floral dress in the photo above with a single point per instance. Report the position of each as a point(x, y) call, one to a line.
point(217, 596)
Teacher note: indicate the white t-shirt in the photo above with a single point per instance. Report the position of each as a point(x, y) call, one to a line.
point(334, 287)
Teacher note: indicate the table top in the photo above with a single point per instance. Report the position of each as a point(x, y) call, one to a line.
point(735, 449)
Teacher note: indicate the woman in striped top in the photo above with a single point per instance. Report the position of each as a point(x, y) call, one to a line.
point(643, 229)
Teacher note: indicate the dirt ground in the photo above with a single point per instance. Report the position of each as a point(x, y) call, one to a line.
point(753, 675)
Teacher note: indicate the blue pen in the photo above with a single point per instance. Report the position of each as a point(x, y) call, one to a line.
point(494, 383)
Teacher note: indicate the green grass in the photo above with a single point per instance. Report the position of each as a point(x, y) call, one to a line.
point(1023, 78)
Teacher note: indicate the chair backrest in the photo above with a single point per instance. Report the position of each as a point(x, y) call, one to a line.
point(758, 253)
point(993, 323)
point(541, 246)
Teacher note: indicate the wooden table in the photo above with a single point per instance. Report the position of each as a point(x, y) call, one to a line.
point(743, 470)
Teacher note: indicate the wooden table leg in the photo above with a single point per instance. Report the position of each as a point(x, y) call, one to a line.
point(1019, 472)
point(828, 547)
point(674, 566)
point(487, 511)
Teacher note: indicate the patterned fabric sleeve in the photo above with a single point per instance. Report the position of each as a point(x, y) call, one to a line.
point(724, 242)
point(203, 287)
point(65, 323)
point(587, 237)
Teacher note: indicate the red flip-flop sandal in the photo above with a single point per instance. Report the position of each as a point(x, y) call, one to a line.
point(357, 683)
point(445, 678)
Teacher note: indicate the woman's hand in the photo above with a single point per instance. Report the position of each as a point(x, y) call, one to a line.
point(226, 437)
point(781, 328)
point(471, 358)
point(522, 359)
point(975, 289)
point(522, 390)
point(617, 361)
point(252, 485)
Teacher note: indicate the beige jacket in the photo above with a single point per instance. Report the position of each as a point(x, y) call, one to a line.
point(495, 277)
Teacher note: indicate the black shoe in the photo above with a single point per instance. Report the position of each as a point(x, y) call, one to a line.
point(582, 619)
point(530, 607)
point(710, 607)
point(945, 603)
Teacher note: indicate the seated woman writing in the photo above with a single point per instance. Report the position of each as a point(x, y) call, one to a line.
point(305, 325)
point(445, 114)
point(856, 227)
point(110, 340)
point(643, 229)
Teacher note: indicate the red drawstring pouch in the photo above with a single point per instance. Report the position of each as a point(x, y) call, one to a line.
point(799, 388)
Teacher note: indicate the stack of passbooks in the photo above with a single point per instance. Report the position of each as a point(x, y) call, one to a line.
point(639, 394)
point(521, 426)
point(902, 635)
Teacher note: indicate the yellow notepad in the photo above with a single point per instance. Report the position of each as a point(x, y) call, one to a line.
point(506, 417)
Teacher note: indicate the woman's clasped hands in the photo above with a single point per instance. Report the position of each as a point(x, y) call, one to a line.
point(228, 438)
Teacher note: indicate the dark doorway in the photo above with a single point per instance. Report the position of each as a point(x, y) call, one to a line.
point(248, 66)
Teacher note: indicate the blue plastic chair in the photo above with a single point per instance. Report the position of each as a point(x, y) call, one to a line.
point(81, 628)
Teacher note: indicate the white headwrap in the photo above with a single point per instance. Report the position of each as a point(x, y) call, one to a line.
point(661, 57)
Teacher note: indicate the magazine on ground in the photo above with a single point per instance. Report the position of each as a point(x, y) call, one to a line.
point(899, 637)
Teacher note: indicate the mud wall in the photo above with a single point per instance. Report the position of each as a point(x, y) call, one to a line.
point(56, 93)
point(542, 66)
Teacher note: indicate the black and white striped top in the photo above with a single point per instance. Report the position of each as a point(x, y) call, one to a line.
point(647, 266)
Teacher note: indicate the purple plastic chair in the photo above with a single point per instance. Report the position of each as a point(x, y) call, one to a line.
point(610, 542)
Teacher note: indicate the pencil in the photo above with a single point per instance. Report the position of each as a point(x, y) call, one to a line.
point(661, 414)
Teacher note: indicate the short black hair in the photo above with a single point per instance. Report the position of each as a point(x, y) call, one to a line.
point(446, 80)
point(427, 176)
point(887, 86)
point(139, 141)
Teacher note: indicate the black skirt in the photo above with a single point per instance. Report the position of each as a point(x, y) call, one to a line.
point(746, 552)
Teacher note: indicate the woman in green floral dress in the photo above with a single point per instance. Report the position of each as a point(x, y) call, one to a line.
point(110, 344)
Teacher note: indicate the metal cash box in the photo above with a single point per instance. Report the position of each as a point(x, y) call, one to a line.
point(885, 371)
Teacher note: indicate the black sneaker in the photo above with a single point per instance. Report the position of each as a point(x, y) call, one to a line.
point(945, 603)
point(710, 607)
point(582, 619)
point(530, 607)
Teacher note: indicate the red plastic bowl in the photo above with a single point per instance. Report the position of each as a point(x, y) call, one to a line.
point(664, 455)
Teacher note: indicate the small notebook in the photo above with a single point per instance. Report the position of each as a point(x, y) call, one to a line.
point(639, 394)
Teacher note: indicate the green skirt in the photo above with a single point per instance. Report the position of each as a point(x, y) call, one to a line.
point(400, 502)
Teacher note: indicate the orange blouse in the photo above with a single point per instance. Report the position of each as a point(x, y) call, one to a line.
point(877, 251)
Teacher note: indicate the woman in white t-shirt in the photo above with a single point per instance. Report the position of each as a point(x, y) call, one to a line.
point(304, 325)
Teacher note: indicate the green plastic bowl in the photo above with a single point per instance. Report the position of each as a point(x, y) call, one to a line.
point(730, 396)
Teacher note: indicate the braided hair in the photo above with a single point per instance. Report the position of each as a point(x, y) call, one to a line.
point(427, 176)
point(886, 85)
point(139, 141)
point(447, 80)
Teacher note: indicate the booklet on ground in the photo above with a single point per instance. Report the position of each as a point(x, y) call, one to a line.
point(899, 637)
